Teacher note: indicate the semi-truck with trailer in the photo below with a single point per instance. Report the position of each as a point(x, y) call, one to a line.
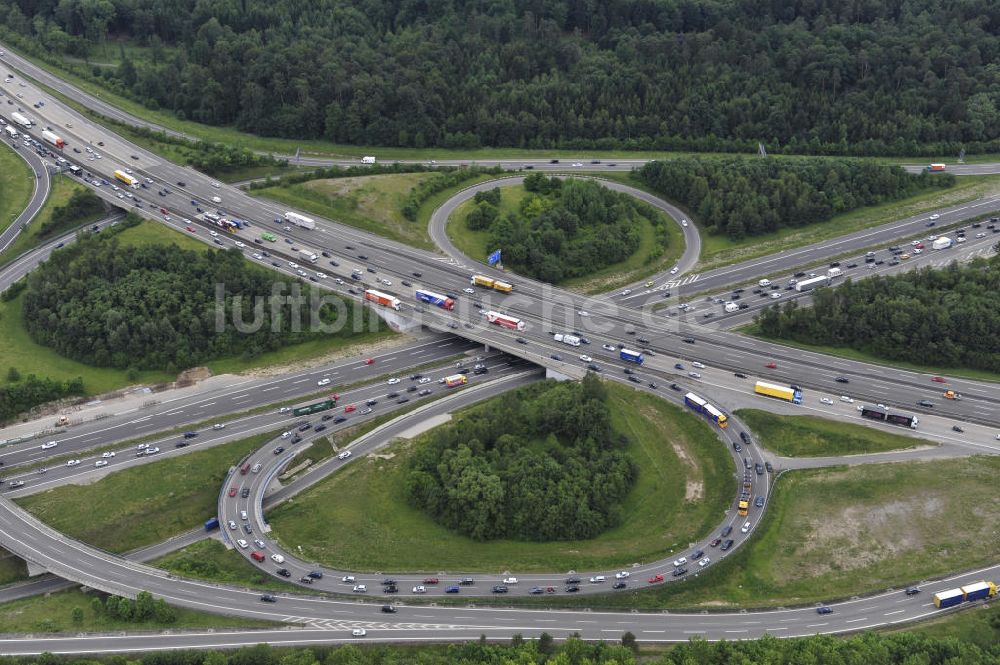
point(21, 120)
point(572, 340)
point(964, 594)
point(315, 407)
point(884, 415)
point(505, 321)
point(127, 179)
point(436, 299)
point(383, 299)
point(308, 255)
point(812, 283)
point(632, 356)
point(490, 283)
point(780, 392)
point(300, 220)
point(53, 139)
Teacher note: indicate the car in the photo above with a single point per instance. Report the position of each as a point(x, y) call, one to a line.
point(232, 525)
point(935, 216)
point(679, 572)
point(771, 365)
point(759, 502)
point(469, 290)
point(232, 491)
point(360, 588)
point(323, 382)
point(572, 589)
point(556, 356)
point(939, 379)
point(50, 444)
point(694, 375)
point(678, 366)
point(268, 598)
point(521, 340)
point(655, 579)
point(598, 579)
point(500, 588)
point(245, 492)
point(344, 454)
point(284, 572)
point(393, 381)
point(688, 340)
point(674, 386)
point(698, 365)
point(72, 462)
point(954, 428)
point(715, 542)
point(389, 609)
point(926, 403)
point(826, 400)
point(769, 467)
point(452, 589)
point(101, 462)
point(242, 543)
point(746, 527)
point(824, 610)
point(359, 632)
point(912, 591)
point(726, 545)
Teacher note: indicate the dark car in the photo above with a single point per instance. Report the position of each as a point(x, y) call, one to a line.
point(715, 543)
point(726, 545)
point(759, 468)
point(674, 386)
point(912, 591)
point(319, 428)
point(635, 379)
point(740, 375)
point(500, 589)
point(572, 589)
point(759, 502)
point(824, 610)
point(689, 340)
point(619, 585)
point(726, 530)
point(279, 450)
point(390, 589)
point(572, 580)
point(296, 438)
point(593, 368)
point(842, 379)
point(393, 395)
point(413, 389)
point(629, 370)
point(181, 183)
point(956, 428)
point(389, 609)
point(467, 581)
point(190, 435)
point(402, 400)
point(643, 340)
point(417, 274)
point(304, 426)
point(745, 438)
point(926, 403)
point(339, 419)
point(284, 572)
point(521, 340)
point(372, 402)
point(769, 467)
point(680, 571)
point(363, 257)
point(556, 356)
point(245, 492)
point(268, 598)
point(181, 444)
point(737, 447)
point(326, 417)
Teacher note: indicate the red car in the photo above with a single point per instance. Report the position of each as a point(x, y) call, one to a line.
point(771, 365)
point(938, 379)
point(550, 589)
point(163, 210)
point(191, 229)
point(431, 580)
point(655, 579)
point(919, 245)
point(370, 361)
point(232, 491)
point(349, 408)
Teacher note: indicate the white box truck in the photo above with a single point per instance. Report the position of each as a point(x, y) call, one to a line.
point(368, 159)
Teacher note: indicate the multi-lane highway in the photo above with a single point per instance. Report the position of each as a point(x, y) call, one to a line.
point(400, 269)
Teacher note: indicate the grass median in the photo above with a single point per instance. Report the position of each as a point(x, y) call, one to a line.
point(16, 185)
point(833, 533)
point(810, 436)
point(360, 518)
point(53, 613)
point(144, 504)
point(212, 561)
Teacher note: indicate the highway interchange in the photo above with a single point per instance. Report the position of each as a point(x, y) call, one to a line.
point(545, 310)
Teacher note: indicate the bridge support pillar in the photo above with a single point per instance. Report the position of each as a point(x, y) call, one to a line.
point(558, 376)
point(34, 570)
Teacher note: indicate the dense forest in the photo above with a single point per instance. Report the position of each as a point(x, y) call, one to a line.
point(866, 649)
point(565, 228)
point(942, 318)
point(155, 306)
point(742, 197)
point(865, 78)
point(542, 464)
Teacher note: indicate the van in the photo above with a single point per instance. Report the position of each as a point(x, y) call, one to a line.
point(277, 558)
point(257, 556)
point(245, 469)
point(764, 282)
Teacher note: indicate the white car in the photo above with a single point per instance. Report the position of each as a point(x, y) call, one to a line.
point(607, 347)
point(284, 409)
point(215, 184)
point(232, 525)
point(321, 275)
point(50, 444)
point(393, 381)
point(152, 450)
point(915, 242)
point(347, 579)
point(684, 222)
point(704, 562)
point(419, 589)
point(673, 271)
point(108, 454)
point(242, 543)
point(623, 575)
point(258, 256)
point(680, 562)
point(932, 238)
point(360, 588)
point(239, 244)
point(285, 435)
point(344, 454)
point(583, 313)
point(101, 462)
point(597, 579)
point(980, 235)
point(424, 379)
point(302, 273)
point(293, 265)
point(958, 239)
point(219, 426)
point(745, 527)
point(826, 400)
point(277, 558)
point(213, 234)
point(764, 282)
point(72, 462)
point(577, 164)
point(935, 216)
point(359, 632)
point(845, 398)
point(626, 292)
point(386, 282)
point(775, 296)
point(470, 290)
point(698, 365)
point(323, 382)
point(694, 375)
point(510, 580)
point(585, 358)
point(920, 251)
